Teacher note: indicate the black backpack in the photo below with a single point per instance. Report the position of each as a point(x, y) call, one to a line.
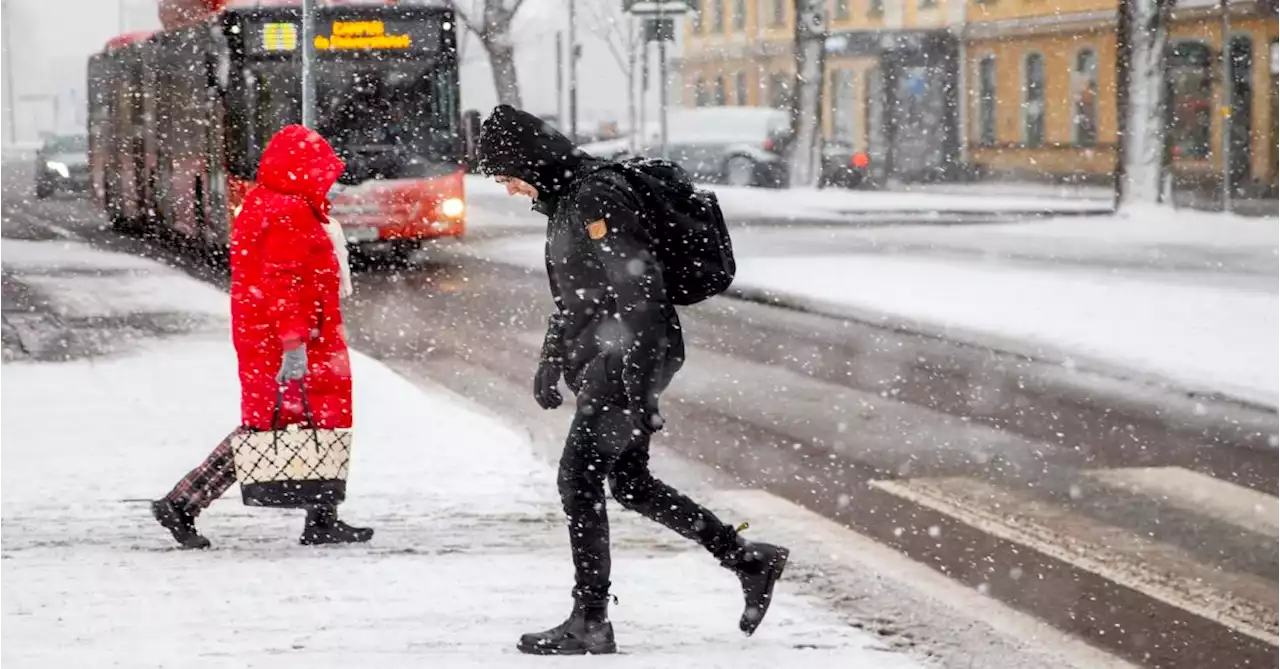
point(691, 240)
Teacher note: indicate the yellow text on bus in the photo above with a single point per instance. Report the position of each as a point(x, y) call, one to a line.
point(348, 35)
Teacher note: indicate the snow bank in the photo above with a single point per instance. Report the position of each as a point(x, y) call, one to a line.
point(1210, 338)
point(470, 552)
point(837, 204)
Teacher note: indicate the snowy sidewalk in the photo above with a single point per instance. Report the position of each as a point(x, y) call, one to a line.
point(1176, 298)
point(470, 551)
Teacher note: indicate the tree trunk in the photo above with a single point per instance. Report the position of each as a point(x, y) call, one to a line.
point(804, 158)
point(502, 62)
point(1141, 79)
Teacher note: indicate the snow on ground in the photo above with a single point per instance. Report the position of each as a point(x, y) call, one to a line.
point(836, 203)
point(1161, 311)
point(470, 552)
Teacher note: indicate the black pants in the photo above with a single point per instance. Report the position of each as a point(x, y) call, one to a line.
point(601, 446)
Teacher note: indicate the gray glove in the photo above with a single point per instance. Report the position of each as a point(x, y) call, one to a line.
point(293, 365)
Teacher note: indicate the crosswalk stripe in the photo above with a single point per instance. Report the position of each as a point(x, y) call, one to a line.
point(1242, 602)
point(1249, 509)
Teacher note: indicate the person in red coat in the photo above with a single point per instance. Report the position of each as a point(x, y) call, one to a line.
point(288, 274)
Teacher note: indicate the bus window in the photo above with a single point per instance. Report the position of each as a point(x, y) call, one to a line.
point(387, 120)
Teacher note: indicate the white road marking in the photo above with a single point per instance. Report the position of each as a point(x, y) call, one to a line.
point(1243, 507)
point(1242, 602)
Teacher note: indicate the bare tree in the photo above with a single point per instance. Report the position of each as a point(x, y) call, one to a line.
point(493, 29)
point(1140, 62)
point(625, 42)
point(805, 157)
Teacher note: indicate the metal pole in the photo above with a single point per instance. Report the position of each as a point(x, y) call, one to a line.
point(573, 72)
point(662, 85)
point(1228, 85)
point(308, 63)
point(643, 131)
point(560, 78)
point(8, 75)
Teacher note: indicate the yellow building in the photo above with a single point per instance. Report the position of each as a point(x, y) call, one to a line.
point(1042, 84)
point(881, 54)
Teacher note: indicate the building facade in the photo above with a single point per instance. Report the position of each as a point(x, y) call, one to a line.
point(1022, 88)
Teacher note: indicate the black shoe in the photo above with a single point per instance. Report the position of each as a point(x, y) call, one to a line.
point(758, 566)
point(586, 632)
point(323, 527)
point(180, 524)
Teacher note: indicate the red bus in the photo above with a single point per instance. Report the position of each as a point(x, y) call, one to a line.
point(178, 118)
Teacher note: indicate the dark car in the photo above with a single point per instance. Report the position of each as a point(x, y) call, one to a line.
point(62, 164)
point(842, 167)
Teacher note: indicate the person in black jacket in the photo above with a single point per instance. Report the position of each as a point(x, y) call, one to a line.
point(616, 339)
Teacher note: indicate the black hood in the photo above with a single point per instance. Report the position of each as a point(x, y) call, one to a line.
point(515, 143)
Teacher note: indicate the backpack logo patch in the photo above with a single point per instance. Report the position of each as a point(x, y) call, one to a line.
point(597, 229)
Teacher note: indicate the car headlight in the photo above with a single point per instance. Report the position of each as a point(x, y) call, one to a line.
point(452, 207)
point(60, 168)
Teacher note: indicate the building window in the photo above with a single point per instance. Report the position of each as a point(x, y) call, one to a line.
point(719, 92)
point(740, 88)
point(987, 101)
point(841, 12)
point(1084, 96)
point(739, 16)
point(779, 17)
point(1033, 100)
point(842, 105)
point(717, 16)
point(1190, 95)
point(875, 8)
point(700, 92)
point(779, 90)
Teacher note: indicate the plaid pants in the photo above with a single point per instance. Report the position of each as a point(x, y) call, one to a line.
point(206, 483)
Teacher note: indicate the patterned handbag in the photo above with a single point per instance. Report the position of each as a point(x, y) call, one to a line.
point(295, 466)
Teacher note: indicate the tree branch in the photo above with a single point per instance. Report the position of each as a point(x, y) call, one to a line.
point(466, 21)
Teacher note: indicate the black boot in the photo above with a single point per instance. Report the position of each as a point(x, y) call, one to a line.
point(180, 524)
point(586, 632)
point(758, 566)
point(323, 527)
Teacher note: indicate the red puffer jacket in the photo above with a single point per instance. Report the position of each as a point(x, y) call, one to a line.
point(284, 284)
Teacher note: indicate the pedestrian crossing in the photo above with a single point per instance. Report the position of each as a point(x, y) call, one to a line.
point(1191, 541)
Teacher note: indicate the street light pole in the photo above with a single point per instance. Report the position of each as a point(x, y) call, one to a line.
point(308, 63)
point(1228, 84)
point(663, 85)
point(8, 74)
point(573, 71)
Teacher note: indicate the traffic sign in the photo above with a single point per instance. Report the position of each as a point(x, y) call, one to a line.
point(653, 7)
point(659, 30)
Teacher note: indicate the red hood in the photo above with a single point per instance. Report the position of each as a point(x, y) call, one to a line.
point(297, 161)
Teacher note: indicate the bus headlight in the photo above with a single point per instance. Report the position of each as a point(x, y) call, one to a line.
point(452, 207)
point(60, 168)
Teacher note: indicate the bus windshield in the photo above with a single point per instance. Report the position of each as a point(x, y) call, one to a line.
point(385, 119)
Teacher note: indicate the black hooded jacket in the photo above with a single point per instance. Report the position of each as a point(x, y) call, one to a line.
point(613, 318)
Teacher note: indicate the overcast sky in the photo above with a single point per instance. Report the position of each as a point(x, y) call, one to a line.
point(52, 39)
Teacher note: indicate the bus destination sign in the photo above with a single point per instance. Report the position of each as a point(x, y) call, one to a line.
point(363, 35)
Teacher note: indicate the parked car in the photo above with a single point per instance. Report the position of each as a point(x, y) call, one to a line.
point(739, 146)
point(62, 164)
point(843, 167)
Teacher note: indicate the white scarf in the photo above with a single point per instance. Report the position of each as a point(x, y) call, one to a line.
point(339, 240)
